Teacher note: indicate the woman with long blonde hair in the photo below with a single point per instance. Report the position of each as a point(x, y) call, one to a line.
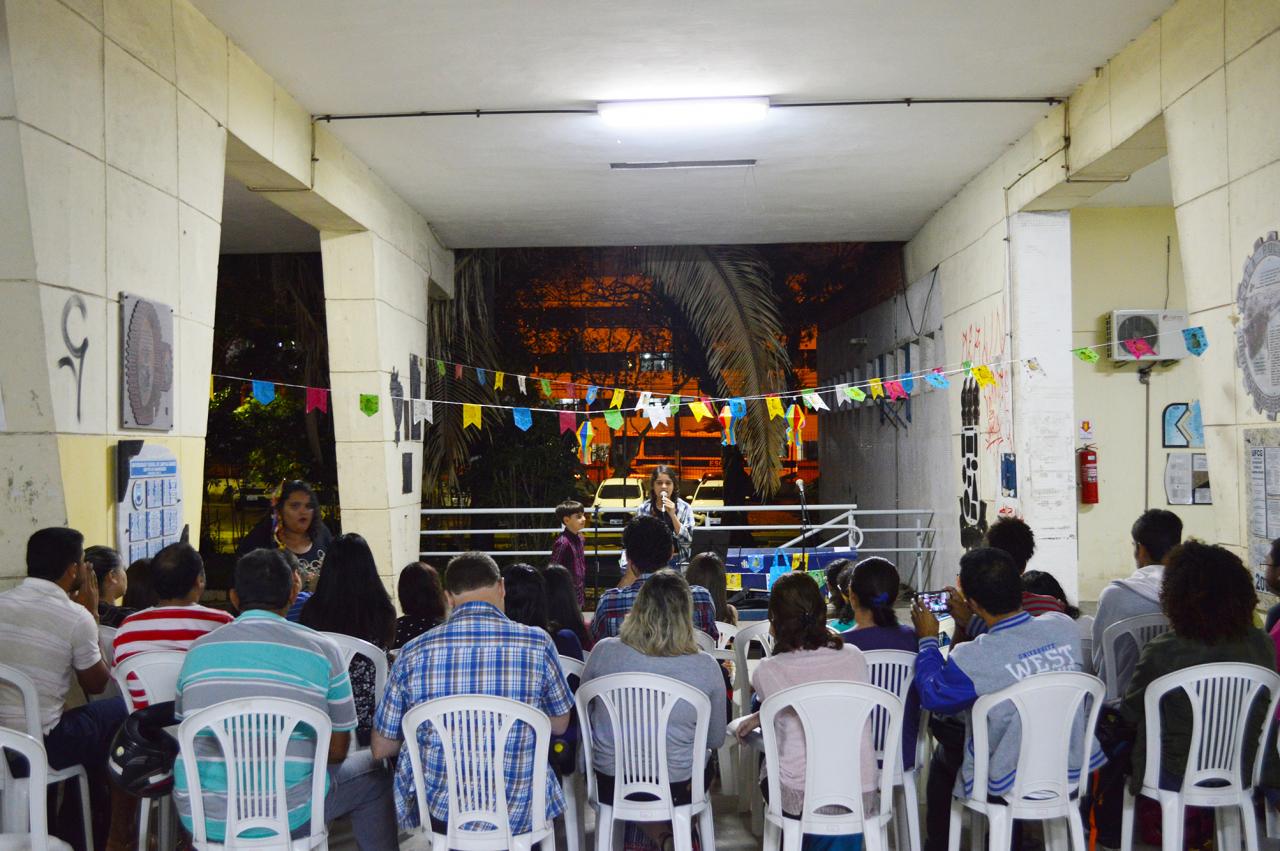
point(657, 638)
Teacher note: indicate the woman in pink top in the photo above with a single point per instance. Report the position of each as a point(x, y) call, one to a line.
point(804, 651)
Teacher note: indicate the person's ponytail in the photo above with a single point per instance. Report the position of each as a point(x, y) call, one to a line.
point(874, 581)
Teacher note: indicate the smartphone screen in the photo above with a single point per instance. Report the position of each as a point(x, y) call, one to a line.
point(934, 601)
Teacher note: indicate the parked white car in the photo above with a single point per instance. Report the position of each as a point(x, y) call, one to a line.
point(709, 494)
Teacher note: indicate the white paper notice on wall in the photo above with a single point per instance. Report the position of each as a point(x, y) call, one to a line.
point(1177, 478)
point(1262, 465)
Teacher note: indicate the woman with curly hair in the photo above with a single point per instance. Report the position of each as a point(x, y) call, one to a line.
point(1209, 599)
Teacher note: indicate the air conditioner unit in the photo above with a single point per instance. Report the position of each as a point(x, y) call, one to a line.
point(1161, 328)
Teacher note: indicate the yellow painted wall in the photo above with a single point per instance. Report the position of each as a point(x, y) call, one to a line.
point(1119, 261)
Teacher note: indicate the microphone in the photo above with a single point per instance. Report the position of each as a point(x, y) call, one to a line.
point(800, 486)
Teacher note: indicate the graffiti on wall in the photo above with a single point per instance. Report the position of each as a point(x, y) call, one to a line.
point(985, 421)
point(973, 511)
point(74, 358)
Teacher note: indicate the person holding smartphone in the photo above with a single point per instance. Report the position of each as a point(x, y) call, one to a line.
point(664, 502)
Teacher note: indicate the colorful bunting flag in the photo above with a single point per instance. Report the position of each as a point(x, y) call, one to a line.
point(584, 433)
point(423, 409)
point(546, 388)
point(498, 379)
point(814, 401)
point(877, 388)
point(966, 365)
point(729, 437)
point(699, 410)
point(855, 393)
point(795, 424)
point(523, 418)
point(568, 422)
point(457, 371)
point(908, 383)
point(471, 416)
point(520, 381)
point(984, 376)
point(673, 405)
point(937, 379)
point(657, 414)
point(264, 392)
point(317, 399)
point(592, 392)
point(774, 405)
point(613, 417)
point(1138, 347)
point(440, 368)
point(895, 390)
point(738, 407)
point(1033, 368)
point(618, 395)
point(1196, 340)
point(480, 376)
point(1086, 354)
point(643, 401)
point(369, 403)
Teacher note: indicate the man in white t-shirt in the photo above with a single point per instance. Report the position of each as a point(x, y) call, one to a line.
point(49, 631)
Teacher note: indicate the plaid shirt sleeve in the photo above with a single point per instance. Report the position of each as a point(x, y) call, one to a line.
point(556, 699)
point(607, 611)
point(704, 612)
point(391, 709)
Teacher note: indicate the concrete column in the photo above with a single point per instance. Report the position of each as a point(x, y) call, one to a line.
point(376, 308)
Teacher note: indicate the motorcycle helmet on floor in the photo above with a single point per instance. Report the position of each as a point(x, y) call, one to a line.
point(143, 752)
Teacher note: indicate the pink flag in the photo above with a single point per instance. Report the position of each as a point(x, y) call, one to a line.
point(317, 398)
point(895, 390)
point(568, 421)
point(1139, 347)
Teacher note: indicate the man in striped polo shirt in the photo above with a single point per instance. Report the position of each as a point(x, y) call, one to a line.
point(177, 575)
point(261, 654)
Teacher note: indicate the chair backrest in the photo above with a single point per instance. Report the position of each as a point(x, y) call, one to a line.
point(253, 735)
point(1136, 631)
point(155, 674)
point(11, 679)
point(1048, 706)
point(829, 759)
point(639, 708)
point(32, 750)
point(1222, 695)
point(727, 632)
point(704, 641)
point(893, 671)
point(107, 644)
point(353, 647)
point(571, 667)
point(473, 731)
point(756, 633)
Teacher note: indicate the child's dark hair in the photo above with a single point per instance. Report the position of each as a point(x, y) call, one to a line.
point(835, 588)
point(568, 508)
point(799, 615)
point(1040, 582)
point(874, 581)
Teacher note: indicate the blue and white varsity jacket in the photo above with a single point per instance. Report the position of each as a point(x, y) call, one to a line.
point(1014, 649)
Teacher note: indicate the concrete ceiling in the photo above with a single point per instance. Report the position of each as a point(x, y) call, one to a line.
point(829, 174)
point(1149, 186)
point(253, 225)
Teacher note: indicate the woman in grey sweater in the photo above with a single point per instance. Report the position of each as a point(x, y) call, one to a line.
point(657, 638)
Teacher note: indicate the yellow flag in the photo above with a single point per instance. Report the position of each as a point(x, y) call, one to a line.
point(877, 389)
point(984, 376)
point(618, 395)
point(775, 407)
point(497, 380)
point(733, 582)
point(471, 416)
point(699, 410)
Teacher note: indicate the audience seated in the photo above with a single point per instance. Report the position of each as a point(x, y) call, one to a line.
point(49, 631)
point(478, 650)
point(1013, 646)
point(1208, 596)
point(840, 613)
point(351, 599)
point(421, 599)
point(178, 619)
point(707, 571)
point(527, 604)
point(871, 587)
point(1044, 584)
point(562, 605)
point(261, 654)
point(647, 541)
point(804, 651)
point(113, 584)
point(657, 638)
point(140, 594)
point(1013, 536)
point(1155, 533)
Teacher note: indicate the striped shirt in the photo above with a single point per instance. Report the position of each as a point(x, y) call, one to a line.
point(260, 654)
point(47, 637)
point(163, 628)
point(477, 651)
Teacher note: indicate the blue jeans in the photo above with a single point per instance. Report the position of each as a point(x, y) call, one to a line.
point(360, 787)
point(83, 737)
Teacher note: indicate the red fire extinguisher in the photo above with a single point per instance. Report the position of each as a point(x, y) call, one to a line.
point(1087, 457)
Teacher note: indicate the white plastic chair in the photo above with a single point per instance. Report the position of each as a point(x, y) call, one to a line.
point(639, 708)
point(155, 674)
point(893, 671)
point(575, 826)
point(106, 644)
point(758, 634)
point(705, 642)
point(1137, 631)
point(253, 735)
point(352, 647)
point(727, 632)
point(1047, 707)
point(14, 790)
point(35, 824)
point(832, 773)
point(1085, 624)
point(1221, 695)
point(474, 730)
point(726, 755)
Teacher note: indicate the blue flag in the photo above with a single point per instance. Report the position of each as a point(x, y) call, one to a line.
point(738, 407)
point(480, 376)
point(523, 418)
point(592, 390)
point(1196, 340)
point(264, 392)
point(937, 379)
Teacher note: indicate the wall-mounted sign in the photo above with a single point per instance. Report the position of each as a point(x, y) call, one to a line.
point(1258, 334)
point(1182, 426)
point(148, 499)
point(146, 364)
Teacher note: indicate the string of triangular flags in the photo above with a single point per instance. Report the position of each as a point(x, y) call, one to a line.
point(659, 408)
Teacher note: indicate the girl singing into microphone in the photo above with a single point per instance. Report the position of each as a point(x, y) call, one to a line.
point(664, 502)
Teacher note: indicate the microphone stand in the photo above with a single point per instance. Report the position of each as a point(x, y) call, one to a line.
point(804, 528)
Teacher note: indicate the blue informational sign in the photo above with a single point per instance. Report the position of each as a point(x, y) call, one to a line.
point(149, 513)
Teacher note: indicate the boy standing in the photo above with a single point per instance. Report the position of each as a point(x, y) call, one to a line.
point(568, 549)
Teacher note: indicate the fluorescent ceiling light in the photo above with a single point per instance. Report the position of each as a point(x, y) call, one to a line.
point(685, 164)
point(689, 112)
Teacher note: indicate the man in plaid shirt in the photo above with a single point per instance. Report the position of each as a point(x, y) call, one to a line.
point(477, 651)
point(647, 541)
